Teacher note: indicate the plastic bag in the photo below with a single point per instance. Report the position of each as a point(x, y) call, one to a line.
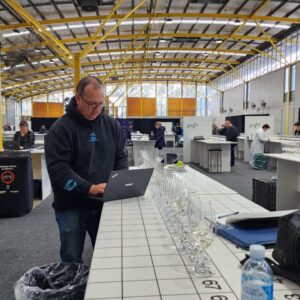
point(60, 281)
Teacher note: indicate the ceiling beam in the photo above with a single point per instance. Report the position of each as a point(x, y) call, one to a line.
point(52, 42)
point(157, 16)
point(95, 37)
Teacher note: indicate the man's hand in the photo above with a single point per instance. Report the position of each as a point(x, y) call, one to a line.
point(97, 189)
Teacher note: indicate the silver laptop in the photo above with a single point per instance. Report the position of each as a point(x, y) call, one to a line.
point(124, 184)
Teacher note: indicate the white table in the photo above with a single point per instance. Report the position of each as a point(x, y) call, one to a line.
point(40, 171)
point(244, 145)
point(135, 257)
point(288, 181)
point(200, 150)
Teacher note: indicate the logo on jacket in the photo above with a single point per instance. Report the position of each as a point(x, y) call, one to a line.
point(70, 185)
point(93, 137)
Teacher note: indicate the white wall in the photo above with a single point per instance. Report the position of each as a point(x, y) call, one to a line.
point(234, 98)
point(194, 126)
point(270, 88)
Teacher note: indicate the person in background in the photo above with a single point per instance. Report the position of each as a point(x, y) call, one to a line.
point(258, 143)
point(178, 133)
point(82, 148)
point(223, 129)
point(297, 129)
point(25, 137)
point(43, 129)
point(159, 136)
point(231, 136)
point(7, 127)
point(215, 130)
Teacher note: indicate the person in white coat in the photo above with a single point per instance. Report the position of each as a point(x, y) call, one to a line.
point(258, 144)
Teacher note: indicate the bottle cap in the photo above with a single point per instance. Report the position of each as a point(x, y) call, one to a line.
point(257, 251)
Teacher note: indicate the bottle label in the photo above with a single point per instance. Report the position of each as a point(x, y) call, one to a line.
point(252, 291)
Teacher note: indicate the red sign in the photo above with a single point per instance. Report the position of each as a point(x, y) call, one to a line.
point(7, 177)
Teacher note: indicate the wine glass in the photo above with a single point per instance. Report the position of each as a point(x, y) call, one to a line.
point(203, 228)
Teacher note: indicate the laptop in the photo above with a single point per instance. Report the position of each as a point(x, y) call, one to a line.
point(124, 184)
point(11, 145)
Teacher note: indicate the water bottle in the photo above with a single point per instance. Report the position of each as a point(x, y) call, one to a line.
point(257, 276)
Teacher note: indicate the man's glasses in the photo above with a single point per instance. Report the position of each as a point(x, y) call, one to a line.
point(92, 105)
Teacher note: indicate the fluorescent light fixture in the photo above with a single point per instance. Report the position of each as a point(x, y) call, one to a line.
point(219, 41)
point(167, 20)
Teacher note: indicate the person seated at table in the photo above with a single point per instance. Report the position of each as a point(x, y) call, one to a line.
point(25, 137)
point(258, 144)
point(297, 129)
point(43, 129)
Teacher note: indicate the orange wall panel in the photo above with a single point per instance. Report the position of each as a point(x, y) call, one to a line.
point(174, 107)
point(47, 110)
point(40, 109)
point(134, 107)
point(149, 107)
point(55, 110)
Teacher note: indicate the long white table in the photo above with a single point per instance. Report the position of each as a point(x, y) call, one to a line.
point(40, 171)
point(136, 258)
point(200, 150)
point(288, 181)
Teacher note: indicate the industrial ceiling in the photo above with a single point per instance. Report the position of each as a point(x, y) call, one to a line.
point(43, 41)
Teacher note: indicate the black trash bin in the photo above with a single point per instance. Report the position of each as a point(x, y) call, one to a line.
point(57, 281)
point(16, 184)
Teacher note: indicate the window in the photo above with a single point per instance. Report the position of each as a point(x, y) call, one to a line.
point(201, 100)
point(289, 83)
point(246, 95)
point(161, 99)
point(26, 107)
point(174, 90)
point(221, 102)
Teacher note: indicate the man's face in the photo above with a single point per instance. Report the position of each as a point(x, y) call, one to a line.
point(23, 129)
point(227, 124)
point(297, 127)
point(90, 104)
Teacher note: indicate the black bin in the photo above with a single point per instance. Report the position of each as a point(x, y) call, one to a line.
point(16, 184)
point(264, 193)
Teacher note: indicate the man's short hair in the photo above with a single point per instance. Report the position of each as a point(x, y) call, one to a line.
point(297, 123)
point(86, 81)
point(266, 126)
point(23, 123)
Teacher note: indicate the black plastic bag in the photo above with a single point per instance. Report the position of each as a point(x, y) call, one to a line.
point(287, 249)
point(60, 281)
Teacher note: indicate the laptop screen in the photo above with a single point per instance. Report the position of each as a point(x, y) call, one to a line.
point(11, 145)
point(124, 184)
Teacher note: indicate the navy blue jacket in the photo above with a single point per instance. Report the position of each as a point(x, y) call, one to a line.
point(80, 153)
point(160, 137)
point(232, 134)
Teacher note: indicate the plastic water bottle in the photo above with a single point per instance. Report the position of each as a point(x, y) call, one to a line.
point(257, 276)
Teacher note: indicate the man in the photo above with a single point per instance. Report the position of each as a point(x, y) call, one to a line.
point(82, 148)
point(231, 135)
point(159, 136)
point(297, 129)
point(258, 143)
point(178, 133)
point(25, 137)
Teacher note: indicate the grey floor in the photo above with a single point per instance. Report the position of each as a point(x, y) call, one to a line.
point(240, 177)
point(27, 242)
point(33, 240)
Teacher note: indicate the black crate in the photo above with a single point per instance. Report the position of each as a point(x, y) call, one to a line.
point(264, 193)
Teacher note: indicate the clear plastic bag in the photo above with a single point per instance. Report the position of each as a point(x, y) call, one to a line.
point(59, 281)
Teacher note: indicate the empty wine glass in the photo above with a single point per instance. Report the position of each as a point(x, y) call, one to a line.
point(203, 228)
